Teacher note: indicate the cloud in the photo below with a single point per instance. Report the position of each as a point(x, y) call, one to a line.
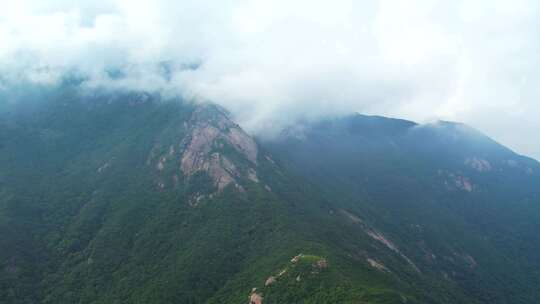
point(274, 62)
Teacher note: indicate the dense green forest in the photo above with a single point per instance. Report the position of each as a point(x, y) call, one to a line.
point(133, 198)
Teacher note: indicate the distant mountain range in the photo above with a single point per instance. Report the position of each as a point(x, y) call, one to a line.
point(129, 198)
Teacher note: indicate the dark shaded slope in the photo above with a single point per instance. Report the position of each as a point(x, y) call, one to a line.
point(464, 208)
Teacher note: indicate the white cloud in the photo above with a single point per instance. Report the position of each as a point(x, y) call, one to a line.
point(272, 62)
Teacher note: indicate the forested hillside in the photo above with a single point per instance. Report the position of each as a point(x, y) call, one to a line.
point(134, 198)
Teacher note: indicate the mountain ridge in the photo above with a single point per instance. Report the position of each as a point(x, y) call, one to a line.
point(131, 198)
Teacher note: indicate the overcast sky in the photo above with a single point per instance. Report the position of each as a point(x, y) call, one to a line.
point(274, 62)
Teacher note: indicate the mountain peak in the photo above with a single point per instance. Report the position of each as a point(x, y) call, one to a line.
point(131, 198)
point(211, 132)
point(211, 145)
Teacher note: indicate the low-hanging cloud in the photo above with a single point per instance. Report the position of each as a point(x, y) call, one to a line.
point(275, 62)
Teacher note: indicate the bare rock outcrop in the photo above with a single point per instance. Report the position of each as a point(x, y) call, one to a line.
point(211, 129)
point(322, 264)
point(210, 138)
point(255, 298)
point(463, 183)
point(458, 181)
point(378, 236)
point(478, 164)
point(296, 258)
point(377, 265)
point(271, 280)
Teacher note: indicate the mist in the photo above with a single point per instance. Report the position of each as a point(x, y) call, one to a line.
point(274, 63)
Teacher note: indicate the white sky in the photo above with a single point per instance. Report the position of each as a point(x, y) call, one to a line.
point(274, 62)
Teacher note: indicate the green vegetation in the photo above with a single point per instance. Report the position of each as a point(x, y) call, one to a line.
point(404, 179)
point(86, 216)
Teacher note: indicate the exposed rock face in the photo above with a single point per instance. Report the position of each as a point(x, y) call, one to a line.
point(379, 237)
point(478, 164)
point(296, 258)
point(376, 235)
point(322, 264)
point(210, 143)
point(243, 142)
point(252, 175)
point(377, 265)
point(270, 281)
point(457, 181)
point(255, 298)
point(104, 167)
point(354, 219)
point(211, 129)
point(464, 183)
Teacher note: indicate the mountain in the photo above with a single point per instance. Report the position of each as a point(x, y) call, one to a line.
point(464, 208)
point(133, 198)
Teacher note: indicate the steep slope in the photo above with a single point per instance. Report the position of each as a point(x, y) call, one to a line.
point(461, 207)
point(127, 198)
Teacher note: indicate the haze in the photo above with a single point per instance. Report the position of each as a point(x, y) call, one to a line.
point(273, 63)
